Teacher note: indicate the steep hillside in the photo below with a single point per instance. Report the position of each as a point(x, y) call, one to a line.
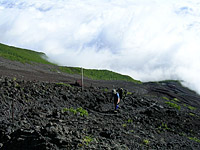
point(22, 55)
point(37, 58)
point(41, 108)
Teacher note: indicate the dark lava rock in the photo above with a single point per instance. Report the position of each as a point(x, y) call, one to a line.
point(36, 115)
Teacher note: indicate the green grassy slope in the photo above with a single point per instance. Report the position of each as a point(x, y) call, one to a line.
point(28, 56)
point(98, 74)
point(22, 55)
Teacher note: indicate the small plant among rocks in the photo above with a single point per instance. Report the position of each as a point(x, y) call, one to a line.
point(105, 90)
point(87, 140)
point(164, 126)
point(79, 110)
point(124, 125)
point(129, 93)
point(64, 84)
point(146, 142)
point(130, 121)
point(82, 111)
point(173, 105)
point(175, 100)
point(166, 98)
point(194, 139)
point(189, 107)
point(191, 114)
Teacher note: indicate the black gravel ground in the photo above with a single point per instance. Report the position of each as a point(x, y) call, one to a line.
point(38, 112)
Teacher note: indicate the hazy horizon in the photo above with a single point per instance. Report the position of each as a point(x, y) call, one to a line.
point(149, 40)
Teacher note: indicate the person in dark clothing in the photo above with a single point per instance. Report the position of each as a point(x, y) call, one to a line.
point(116, 97)
point(120, 91)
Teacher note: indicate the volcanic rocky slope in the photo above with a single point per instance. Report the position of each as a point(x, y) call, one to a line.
point(38, 115)
point(41, 109)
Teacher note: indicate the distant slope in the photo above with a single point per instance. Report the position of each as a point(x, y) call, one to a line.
point(22, 55)
point(29, 56)
point(98, 74)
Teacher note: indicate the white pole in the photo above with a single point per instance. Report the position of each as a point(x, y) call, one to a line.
point(82, 77)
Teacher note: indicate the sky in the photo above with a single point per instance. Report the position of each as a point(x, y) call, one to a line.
point(149, 40)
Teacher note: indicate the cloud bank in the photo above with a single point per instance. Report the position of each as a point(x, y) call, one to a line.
point(149, 40)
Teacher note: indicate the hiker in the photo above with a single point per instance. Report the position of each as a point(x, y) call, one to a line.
point(120, 91)
point(116, 97)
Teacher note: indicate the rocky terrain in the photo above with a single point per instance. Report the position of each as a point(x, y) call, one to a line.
point(44, 110)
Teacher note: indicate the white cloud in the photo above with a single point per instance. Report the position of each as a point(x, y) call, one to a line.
point(146, 39)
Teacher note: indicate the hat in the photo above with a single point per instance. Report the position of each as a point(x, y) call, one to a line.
point(114, 91)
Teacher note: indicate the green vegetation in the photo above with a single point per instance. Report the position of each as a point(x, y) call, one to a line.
point(194, 115)
point(107, 75)
point(22, 55)
point(194, 139)
point(29, 56)
point(82, 111)
point(105, 90)
point(70, 110)
point(189, 107)
point(191, 138)
point(130, 121)
point(164, 126)
point(191, 114)
point(129, 93)
point(70, 70)
point(166, 98)
point(79, 110)
point(173, 105)
point(98, 74)
point(87, 140)
point(146, 142)
point(64, 84)
point(175, 100)
point(124, 125)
